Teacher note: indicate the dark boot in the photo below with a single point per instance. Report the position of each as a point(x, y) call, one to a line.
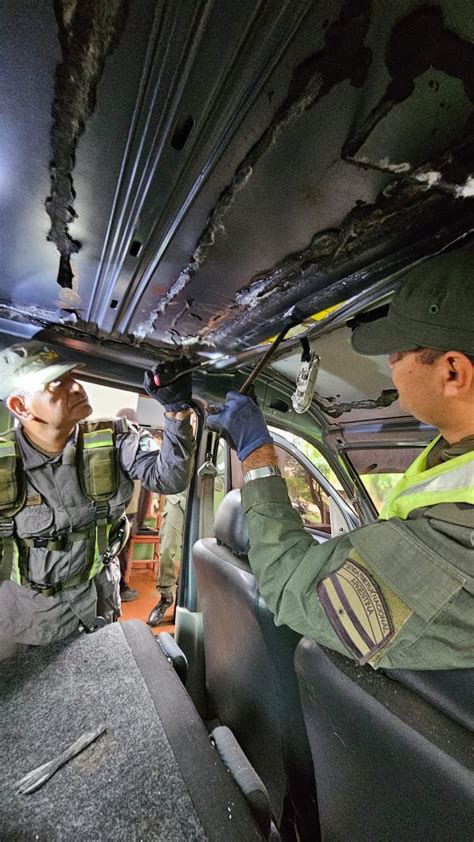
point(128, 594)
point(158, 612)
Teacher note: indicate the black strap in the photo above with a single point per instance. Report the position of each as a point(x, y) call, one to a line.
point(306, 355)
point(57, 542)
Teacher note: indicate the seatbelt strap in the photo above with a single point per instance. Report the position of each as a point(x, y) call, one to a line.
point(207, 474)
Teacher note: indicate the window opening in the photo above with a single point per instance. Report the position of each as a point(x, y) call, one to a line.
point(314, 455)
point(380, 468)
point(305, 492)
point(307, 495)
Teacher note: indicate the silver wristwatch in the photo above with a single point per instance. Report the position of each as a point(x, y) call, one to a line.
point(260, 473)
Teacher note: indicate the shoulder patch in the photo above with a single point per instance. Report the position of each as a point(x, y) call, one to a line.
point(147, 442)
point(34, 499)
point(355, 606)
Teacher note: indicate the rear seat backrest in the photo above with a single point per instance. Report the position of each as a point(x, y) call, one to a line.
point(450, 691)
point(250, 675)
point(388, 765)
point(230, 526)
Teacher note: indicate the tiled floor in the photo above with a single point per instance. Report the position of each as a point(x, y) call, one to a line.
point(143, 581)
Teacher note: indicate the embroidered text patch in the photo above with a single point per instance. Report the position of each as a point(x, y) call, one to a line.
point(355, 606)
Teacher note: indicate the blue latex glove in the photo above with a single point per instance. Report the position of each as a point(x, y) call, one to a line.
point(174, 395)
point(241, 424)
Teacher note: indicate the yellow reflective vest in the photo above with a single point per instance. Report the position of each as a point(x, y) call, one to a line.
point(420, 487)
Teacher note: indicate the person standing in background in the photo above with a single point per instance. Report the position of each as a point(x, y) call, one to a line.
point(170, 553)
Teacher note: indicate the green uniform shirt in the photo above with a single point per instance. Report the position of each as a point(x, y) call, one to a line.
point(396, 593)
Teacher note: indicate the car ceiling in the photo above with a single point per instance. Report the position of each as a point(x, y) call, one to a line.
point(185, 175)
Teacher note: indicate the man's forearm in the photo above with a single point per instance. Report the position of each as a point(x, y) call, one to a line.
point(285, 559)
point(176, 458)
point(180, 415)
point(260, 458)
point(167, 470)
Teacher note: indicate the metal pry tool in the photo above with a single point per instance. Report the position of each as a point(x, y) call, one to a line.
point(244, 389)
point(295, 319)
point(37, 777)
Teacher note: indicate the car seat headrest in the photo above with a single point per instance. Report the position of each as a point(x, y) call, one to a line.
point(230, 527)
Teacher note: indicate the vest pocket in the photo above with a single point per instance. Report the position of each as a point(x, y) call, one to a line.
point(50, 567)
point(34, 521)
point(421, 578)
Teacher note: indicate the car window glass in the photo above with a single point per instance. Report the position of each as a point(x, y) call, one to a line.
point(306, 494)
point(380, 469)
point(314, 455)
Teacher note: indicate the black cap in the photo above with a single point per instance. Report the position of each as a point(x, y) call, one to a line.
point(434, 308)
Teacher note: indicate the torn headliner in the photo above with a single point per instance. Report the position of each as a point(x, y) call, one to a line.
point(88, 32)
point(323, 185)
point(370, 215)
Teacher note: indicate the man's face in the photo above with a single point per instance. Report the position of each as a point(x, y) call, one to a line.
point(60, 402)
point(418, 385)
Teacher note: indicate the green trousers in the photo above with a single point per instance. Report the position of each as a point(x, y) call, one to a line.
point(170, 547)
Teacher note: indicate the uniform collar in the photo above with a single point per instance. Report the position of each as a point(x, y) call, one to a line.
point(34, 458)
point(443, 452)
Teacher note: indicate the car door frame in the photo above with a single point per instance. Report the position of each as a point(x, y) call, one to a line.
point(348, 515)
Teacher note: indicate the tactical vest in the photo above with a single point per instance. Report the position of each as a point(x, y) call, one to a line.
point(98, 471)
point(449, 482)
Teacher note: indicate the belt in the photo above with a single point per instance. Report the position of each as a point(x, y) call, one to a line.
point(57, 542)
point(51, 590)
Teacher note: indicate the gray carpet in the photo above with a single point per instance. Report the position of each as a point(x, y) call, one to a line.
point(126, 786)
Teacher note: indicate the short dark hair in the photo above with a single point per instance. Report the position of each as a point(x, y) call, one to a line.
point(428, 356)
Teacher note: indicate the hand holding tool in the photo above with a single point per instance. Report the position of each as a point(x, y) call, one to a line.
point(240, 421)
point(170, 383)
point(241, 424)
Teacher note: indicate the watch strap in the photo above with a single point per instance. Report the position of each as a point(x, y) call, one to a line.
point(261, 473)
